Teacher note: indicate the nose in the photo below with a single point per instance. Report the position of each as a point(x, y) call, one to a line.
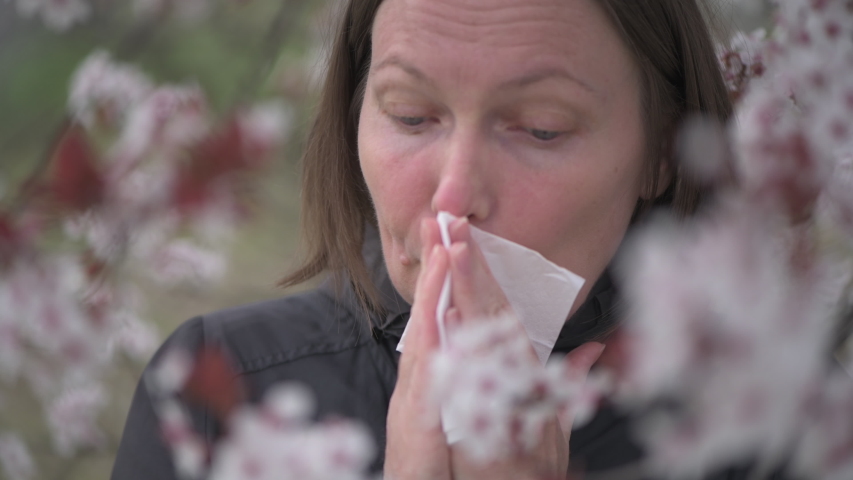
point(463, 177)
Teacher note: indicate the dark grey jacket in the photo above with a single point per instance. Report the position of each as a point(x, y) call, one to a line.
point(322, 340)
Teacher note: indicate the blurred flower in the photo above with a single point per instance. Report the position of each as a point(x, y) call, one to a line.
point(59, 15)
point(138, 339)
point(15, 458)
point(726, 328)
point(72, 418)
point(273, 440)
point(277, 441)
point(183, 262)
point(742, 60)
point(189, 450)
point(187, 10)
point(103, 92)
point(266, 126)
point(495, 395)
point(170, 117)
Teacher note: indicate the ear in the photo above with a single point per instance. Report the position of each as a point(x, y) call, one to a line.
point(664, 176)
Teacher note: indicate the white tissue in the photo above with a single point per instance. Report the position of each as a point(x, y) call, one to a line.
point(540, 292)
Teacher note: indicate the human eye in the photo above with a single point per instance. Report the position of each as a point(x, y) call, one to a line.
point(544, 135)
point(409, 121)
point(541, 126)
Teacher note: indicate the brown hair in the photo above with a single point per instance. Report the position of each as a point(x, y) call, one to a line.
point(671, 45)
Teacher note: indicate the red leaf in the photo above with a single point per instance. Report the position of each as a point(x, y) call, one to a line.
point(213, 383)
point(10, 240)
point(75, 182)
point(216, 156)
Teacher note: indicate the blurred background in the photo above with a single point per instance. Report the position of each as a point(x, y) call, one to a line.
point(239, 52)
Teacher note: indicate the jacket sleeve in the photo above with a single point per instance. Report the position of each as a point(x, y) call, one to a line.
point(142, 453)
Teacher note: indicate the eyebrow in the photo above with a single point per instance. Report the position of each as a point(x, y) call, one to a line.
point(520, 82)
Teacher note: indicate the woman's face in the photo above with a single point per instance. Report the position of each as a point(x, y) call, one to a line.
point(523, 115)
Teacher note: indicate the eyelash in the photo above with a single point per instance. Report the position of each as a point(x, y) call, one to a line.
point(410, 121)
point(537, 134)
point(549, 134)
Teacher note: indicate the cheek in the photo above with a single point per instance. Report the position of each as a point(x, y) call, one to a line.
point(577, 215)
point(397, 182)
point(399, 187)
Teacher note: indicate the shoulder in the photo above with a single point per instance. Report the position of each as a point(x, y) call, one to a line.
point(283, 330)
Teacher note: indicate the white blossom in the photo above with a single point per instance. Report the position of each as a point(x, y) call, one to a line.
point(59, 15)
point(277, 441)
point(72, 418)
point(724, 325)
point(170, 373)
point(267, 125)
point(188, 448)
point(171, 117)
point(183, 261)
point(103, 90)
point(496, 396)
point(138, 339)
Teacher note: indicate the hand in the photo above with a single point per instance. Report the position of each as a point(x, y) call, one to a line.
point(416, 448)
point(416, 444)
point(477, 296)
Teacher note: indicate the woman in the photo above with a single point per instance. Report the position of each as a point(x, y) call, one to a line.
point(546, 122)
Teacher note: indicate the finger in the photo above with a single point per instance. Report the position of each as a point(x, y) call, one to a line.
point(474, 290)
point(578, 363)
point(427, 342)
point(424, 329)
point(426, 300)
point(460, 230)
point(430, 237)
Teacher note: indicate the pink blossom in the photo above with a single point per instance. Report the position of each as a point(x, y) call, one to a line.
point(138, 339)
point(266, 126)
point(171, 117)
point(72, 418)
point(494, 393)
point(104, 91)
point(727, 325)
point(182, 261)
point(742, 60)
point(59, 15)
point(188, 448)
point(170, 374)
point(273, 440)
point(277, 441)
point(15, 458)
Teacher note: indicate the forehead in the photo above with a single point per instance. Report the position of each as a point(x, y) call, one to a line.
point(477, 38)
